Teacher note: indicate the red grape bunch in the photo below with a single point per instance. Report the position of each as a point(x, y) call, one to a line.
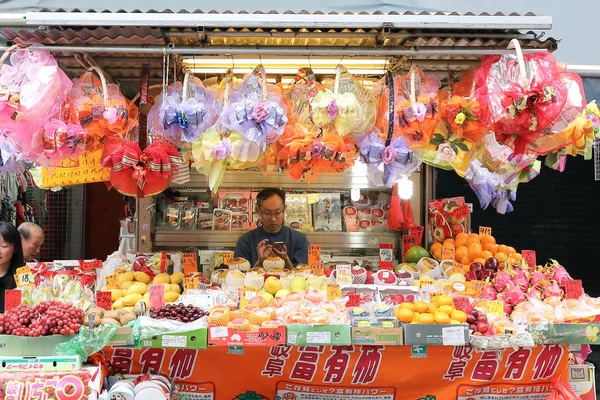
point(47, 318)
point(178, 312)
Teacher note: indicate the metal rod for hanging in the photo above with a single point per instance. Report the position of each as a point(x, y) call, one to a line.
point(282, 50)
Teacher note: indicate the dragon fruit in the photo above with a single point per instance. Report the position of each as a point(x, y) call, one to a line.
point(502, 279)
point(560, 274)
point(537, 277)
point(534, 293)
point(521, 280)
point(514, 295)
point(552, 289)
point(489, 293)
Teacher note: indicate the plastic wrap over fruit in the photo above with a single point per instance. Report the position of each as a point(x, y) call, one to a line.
point(147, 327)
point(85, 344)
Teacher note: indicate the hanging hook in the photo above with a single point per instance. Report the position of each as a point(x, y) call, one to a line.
point(309, 62)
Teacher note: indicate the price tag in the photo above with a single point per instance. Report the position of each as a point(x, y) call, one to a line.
point(25, 279)
point(343, 275)
point(495, 307)
point(24, 270)
point(433, 297)
point(190, 284)
point(574, 289)
point(478, 286)
point(485, 230)
point(386, 256)
point(353, 300)
point(529, 257)
point(448, 253)
point(12, 299)
point(333, 292)
point(157, 296)
point(457, 268)
point(104, 300)
point(90, 265)
point(190, 263)
point(248, 292)
point(111, 281)
point(227, 258)
point(317, 269)
point(425, 282)
point(312, 198)
point(314, 254)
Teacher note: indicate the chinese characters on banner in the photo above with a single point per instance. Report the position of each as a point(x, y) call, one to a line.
point(354, 372)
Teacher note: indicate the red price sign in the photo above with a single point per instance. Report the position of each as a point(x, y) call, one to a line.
point(314, 254)
point(461, 212)
point(386, 255)
point(104, 300)
point(90, 265)
point(157, 296)
point(12, 299)
point(353, 300)
point(529, 256)
point(574, 289)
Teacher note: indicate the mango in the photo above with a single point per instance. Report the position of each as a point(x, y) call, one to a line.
point(124, 277)
point(175, 288)
point(171, 296)
point(118, 304)
point(137, 287)
point(131, 299)
point(125, 285)
point(116, 294)
point(140, 276)
point(161, 278)
point(177, 278)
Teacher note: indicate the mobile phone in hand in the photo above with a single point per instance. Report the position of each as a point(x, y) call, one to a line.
point(278, 246)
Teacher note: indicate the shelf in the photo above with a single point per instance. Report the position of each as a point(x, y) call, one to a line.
point(255, 179)
point(328, 240)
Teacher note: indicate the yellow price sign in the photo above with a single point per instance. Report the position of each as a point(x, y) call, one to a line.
point(333, 292)
point(485, 230)
point(317, 269)
point(495, 307)
point(433, 296)
point(457, 268)
point(25, 279)
point(248, 292)
point(448, 253)
point(190, 284)
point(23, 270)
point(111, 281)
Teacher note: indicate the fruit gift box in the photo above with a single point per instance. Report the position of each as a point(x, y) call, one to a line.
point(447, 218)
point(240, 205)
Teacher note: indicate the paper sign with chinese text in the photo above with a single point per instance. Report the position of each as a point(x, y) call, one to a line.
point(448, 253)
point(386, 256)
point(111, 281)
point(190, 284)
point(333, 291)
point(86, 169)
point(157, 296)
point(12, 299)
point(190, 263)
point(104, 300)
point(573, 288)
point(314, 254)
point(343, 274)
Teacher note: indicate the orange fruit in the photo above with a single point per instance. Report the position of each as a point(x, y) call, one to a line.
point(480, 260)
point(511, 250)
point(408, 305)
point(404, 315)
point(500, 256)
point(445, 300)
point(459, 316)
point(491, 247)
point(488, 239)
point(485, 254)
point(517, 256)
point(474, 251)
point(425, 318)
point(465, 260)
point(433, 308)
point(441, 318)
point(436, 251)
point(474, 237)
point(461, 252)
point(421, 307)
point(461, 239)
point(449, 242)
point(502, 248)
point(445, 309)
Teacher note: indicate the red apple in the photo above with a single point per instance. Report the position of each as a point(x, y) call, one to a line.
point(482, 327)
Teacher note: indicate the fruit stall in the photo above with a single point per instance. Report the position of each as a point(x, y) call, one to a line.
point(401, 297)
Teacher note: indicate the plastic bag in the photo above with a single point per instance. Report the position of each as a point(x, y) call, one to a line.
point(84, 344)
point(562, 391)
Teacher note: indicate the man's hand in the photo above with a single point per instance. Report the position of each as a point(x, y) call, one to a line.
point(284, 255)
point(264, 251)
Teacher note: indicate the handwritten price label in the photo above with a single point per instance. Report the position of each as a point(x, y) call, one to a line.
point(457, 268)
point(12, 299)
point(25, 279)
point(495, 307)
point(24, 270)
point(190, 263)
point(485, 230)
point(386, 255)
point(448, 253)
point(343, 275)
point(433, 296)
point(314, 254)
point(157, 296)
point(190, 284)
point(317, 269)
point(461, 212)
point(353, 300)
point(227, 258)
point(111, 281)
point(574, 289)
point(90, 265)
point(530, 258)
point(104, 300)
point(333, 292)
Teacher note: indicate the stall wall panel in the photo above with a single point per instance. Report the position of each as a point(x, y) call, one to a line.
point(103, 210)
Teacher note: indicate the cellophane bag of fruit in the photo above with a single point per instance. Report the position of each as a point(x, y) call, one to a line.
point(86, 343)
point(447, 218)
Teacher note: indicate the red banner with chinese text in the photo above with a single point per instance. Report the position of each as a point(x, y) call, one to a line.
point(352, 372)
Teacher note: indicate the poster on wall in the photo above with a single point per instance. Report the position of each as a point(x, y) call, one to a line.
point(351, 372)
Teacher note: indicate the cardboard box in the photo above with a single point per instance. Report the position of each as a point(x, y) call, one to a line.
point(122, 337)
point(320, 335)
point(378, 335)
point(582, 380)
point(30, 346)
point(438, 335)
point(267, 337)
point(566, 333)
point(196, 339)
point(29, 364)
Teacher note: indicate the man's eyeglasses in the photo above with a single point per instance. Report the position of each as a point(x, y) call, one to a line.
point(268, 214)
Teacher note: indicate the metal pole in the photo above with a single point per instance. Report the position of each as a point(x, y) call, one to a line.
point(283, 50)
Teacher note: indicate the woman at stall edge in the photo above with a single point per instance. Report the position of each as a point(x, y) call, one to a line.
point(11, 258)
